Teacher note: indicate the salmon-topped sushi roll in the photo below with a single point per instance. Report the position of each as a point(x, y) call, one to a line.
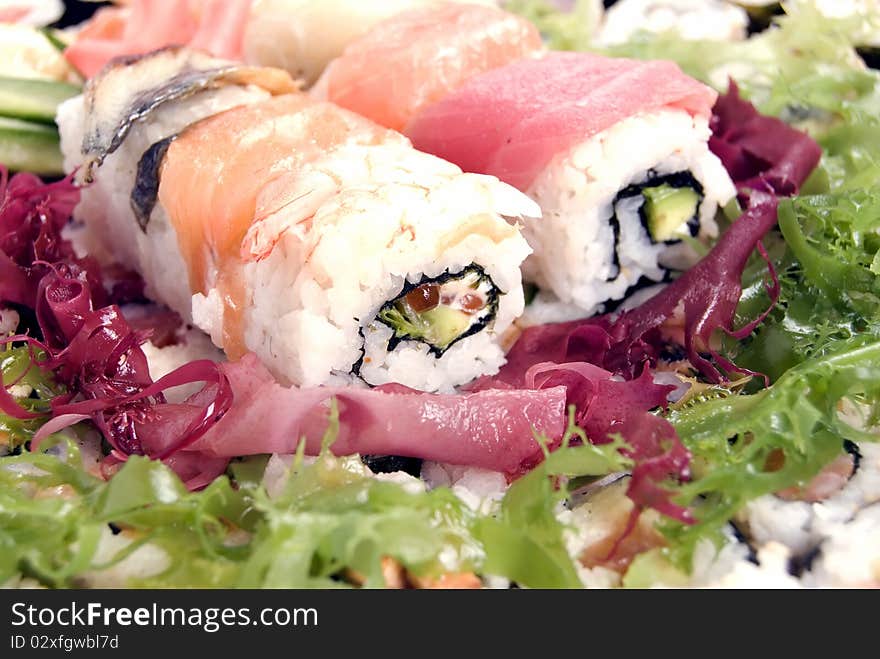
point(303, 36)
point(417, 57)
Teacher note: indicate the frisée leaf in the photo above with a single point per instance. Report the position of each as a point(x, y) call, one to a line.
point(745, 446)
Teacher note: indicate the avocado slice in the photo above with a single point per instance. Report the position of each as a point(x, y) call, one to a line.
point(438, 327)
point(668, 211)
point(445, 325)
point(441, 310)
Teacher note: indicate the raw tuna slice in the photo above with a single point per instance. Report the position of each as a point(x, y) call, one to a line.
point(418, 57)
point(511, 121)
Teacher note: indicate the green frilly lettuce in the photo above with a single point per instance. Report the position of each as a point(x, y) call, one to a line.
point(331, 519)
point(821, 344)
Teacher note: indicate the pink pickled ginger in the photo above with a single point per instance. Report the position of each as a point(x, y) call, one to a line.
point(490, 429)
point(216, 26)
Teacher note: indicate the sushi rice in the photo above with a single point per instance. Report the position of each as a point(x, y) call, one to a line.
point(317, 322)
point(690, 19)
point(107, 204)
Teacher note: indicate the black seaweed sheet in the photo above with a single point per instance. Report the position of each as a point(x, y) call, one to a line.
point(76, 12)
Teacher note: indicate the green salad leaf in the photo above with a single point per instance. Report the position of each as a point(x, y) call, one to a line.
point(54, 516)
point(561, 30)
point(334, 516)
point(526, 542)
point(820, 346)
point(745, 446)
point(33, 389)
point(821, 343)
point(332, 524)
point(829, 281)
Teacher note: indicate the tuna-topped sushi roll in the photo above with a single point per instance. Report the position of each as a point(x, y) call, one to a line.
point(615, 152)
point(302, 232)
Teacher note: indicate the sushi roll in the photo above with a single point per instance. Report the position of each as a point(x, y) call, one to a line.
point(690, 19)
point(615, 152)
point(135, 103)
point(432, 52)
point(298, 230)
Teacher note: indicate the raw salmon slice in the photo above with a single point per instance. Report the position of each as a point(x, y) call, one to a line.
point(254, 147)
point(416, 58)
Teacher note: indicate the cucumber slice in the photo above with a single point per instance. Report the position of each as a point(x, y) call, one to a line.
point(445, 325)
point(33, 100)
point(30, 147)
point(53, 36)
point(668, 210)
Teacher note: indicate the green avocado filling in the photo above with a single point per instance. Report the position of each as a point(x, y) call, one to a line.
point(668, 206)
point(669, 210)
point(442, 310)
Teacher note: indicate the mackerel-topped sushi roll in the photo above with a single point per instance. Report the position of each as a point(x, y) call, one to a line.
point(615, 152)
point(318, 240)
point(134, 104)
